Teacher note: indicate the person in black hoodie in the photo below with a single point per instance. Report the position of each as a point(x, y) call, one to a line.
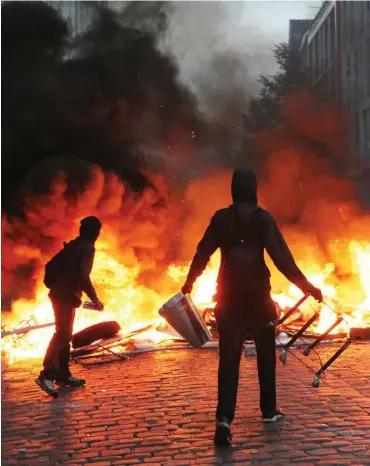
point(68, 275)
point(243, 232)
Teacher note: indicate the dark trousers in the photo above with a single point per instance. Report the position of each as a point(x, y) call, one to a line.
point(231, 339)
point(56, 361)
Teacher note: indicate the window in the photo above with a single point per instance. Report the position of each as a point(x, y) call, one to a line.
point(362, 73)
point(316, 56)
point(332, 37)
point(356, 76)
point(364, 129)
point(348, 80)
point(357, 17)
point(348, 65)
point(357, 133)
point(367, 64)
point(327, 44)
point(351, 17)
point(344, 21)
point(321, 43)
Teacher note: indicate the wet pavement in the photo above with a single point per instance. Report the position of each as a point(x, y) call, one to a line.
point(158, 409)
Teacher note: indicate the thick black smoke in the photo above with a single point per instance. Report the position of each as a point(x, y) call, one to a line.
point(109, 97)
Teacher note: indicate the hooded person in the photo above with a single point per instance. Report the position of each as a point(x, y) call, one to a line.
point(67, 276)
point(243, 232)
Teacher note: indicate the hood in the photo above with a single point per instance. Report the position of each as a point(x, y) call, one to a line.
point(244, 194)
point(90, 228)
point(244, 186)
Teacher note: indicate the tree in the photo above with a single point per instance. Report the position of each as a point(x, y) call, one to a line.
point(264, 110)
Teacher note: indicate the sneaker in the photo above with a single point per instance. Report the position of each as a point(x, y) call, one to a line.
point(70, 381)
point(272, 416)
point(46, 385)
point(223, 434)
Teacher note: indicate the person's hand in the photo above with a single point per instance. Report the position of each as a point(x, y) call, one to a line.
point(99, 306)
point(186, 289)
point(315, 293)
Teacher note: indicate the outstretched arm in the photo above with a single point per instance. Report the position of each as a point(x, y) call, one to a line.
point(206, 247)
point(86, 267)
point(283, 259)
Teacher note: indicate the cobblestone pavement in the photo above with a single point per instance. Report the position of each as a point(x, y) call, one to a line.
point(158, 409)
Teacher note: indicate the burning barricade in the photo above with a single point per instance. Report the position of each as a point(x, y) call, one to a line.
point(36, 314)
point(191, 328)
point(134, 306)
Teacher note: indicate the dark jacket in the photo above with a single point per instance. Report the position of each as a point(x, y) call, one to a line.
point(243, 232)
point(75, 278)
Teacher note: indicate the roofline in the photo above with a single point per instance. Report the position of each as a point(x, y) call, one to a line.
point(320, 17)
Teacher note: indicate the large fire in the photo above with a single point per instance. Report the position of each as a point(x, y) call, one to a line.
point(134, 305)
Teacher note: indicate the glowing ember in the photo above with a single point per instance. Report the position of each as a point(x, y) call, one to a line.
point(134, 306)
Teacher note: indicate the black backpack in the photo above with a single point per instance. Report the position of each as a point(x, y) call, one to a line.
point(58, 265)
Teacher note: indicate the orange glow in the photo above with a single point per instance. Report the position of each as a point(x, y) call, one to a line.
point(129, 274)
point(135, 306)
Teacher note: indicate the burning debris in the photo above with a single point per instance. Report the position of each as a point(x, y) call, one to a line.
point(118, 133)
point(104, 342)
point(96, 332)
point(131, 304)
point(23, 328)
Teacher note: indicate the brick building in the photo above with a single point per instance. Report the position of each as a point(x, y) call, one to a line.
point(335, 52)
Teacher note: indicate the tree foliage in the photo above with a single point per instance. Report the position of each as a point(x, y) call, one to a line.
point(264, 110)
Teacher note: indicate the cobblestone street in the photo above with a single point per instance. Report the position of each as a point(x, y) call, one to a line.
point(158, 408)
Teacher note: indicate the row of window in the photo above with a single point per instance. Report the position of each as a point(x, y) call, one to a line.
point(356, 81)
point(321, 50)
point(326, 85)
point(355, 18)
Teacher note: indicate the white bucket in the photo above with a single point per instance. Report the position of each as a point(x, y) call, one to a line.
point(181, 313)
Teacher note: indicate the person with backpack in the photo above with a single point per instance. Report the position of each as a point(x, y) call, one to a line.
point(67, 275)
point(243, 232)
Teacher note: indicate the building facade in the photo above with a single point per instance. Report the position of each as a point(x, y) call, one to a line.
point(319, 49)
point(297, 29)
point(335, 53)
point(355, 73)
point(78, 14)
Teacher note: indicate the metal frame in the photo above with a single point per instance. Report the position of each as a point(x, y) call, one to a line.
point(323, 368)
point(21, 329)
point(284, 351)
point(313, 345)
point(99, 348)
point(105, 345)
point(318, 340)
point(301, 333)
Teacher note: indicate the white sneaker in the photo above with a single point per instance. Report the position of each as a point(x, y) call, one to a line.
point(273, 416)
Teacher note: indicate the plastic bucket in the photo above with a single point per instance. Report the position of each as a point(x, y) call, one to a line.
point(181, 313)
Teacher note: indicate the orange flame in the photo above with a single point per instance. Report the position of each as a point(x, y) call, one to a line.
point(118, 271)
point(133, 305)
